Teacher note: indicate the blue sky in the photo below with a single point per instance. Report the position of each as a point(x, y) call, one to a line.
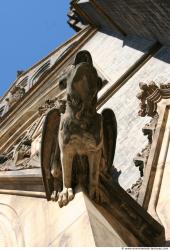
point(30, 29)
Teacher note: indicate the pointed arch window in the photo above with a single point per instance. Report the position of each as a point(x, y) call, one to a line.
point(40, 72)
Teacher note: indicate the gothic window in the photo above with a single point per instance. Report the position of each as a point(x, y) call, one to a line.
point(66, 52)
point(40, 72)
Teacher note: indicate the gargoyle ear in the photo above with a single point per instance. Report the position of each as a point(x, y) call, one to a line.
point(63, 83)
point(83, 56)
point(100, 83)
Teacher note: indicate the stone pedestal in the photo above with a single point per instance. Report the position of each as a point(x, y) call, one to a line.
point(84, 226)
point(34, 222)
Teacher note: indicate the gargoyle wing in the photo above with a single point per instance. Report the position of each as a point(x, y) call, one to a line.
point(50, 149)
point(110, 135)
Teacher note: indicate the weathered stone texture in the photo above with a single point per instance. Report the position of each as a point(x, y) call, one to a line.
point(114, 57)
point(114, 60)
point(125, 105)
point(114, 54)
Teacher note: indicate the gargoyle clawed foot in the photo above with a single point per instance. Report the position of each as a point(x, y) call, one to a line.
point(96, 195)
point(54, 195)
point(65, 196)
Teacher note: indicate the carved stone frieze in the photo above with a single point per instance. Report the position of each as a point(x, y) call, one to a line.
point(19, 155)
point(24, 153)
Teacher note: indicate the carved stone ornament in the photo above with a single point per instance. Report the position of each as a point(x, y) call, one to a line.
point(78, 144)
point(16, 94)
point(141, 158)
point(134, 190)
point(46, 107)
point(149, 96)
point(57, 103)
point(25, 153)
point(21, 155)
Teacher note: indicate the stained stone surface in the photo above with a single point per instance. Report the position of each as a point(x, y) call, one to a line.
point(34, 222)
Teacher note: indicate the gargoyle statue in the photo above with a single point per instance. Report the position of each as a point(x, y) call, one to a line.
point(79, 144)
